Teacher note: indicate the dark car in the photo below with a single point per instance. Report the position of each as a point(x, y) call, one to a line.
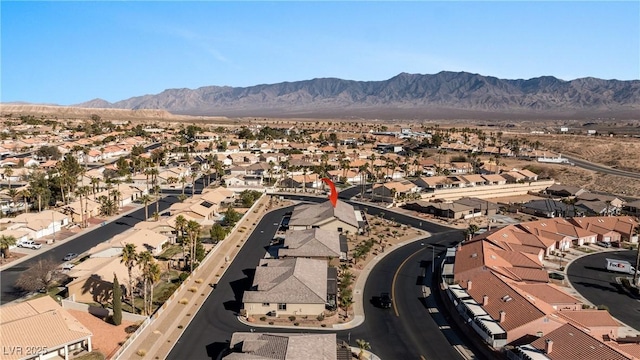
point(385, 300)
point(70, 256)
point(556, 276)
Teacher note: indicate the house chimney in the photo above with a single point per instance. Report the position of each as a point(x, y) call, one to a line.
point(502, 316)
point(469, 283)
point(485, 300)
point(548, 346)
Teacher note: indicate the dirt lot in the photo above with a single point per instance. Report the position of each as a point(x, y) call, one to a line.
point(619, 152)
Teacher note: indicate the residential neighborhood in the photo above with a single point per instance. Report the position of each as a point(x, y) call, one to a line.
point(196, 186)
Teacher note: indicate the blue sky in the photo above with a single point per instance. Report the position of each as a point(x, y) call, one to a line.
point(70, 52)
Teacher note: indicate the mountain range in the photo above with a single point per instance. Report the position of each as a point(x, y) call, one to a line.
point(445, 94)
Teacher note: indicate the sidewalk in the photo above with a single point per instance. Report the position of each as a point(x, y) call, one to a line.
point(159, 337)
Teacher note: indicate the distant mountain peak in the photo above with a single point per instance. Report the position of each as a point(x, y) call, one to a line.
point(457, 91)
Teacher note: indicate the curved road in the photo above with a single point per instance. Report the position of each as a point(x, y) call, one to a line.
point(589, 277)
point(601, 168)
point(411, 334)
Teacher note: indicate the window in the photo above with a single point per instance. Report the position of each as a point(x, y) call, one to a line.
point(339, 229)
point(282, 306)
point(265, 304)
point(206, 204)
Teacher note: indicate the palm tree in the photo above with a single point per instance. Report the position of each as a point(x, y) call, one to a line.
point(129, 258)
point(181, 225)
point(362, 345)
point(183, 181)
point(156, 189)
point(146, 199)
point(472, 230)
point(193, 232)
point(8, 172)
point(26, 193)
point(153, 276)
point(6, 241)
point(144, 261)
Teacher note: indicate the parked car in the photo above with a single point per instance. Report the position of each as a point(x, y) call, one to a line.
point(556, 276)
point(29, 244)
point(70, 256)
point(67, 266)
point(385, 300)
point(603, 244)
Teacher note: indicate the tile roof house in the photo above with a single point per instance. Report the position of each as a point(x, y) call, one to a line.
point(600, 323)
point(254, 346)
point(603, 225)
point(444, 210)
point(477, 256)
point(578, 235)
point(567, 342)
point(517, 314)
point(290, 286)
point(341, 218)
point(40, 328)
point(397, 188)
point(312, 243)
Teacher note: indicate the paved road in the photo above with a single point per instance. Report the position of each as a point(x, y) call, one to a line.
point(589, 277)
point(601, 168)
point(408, 336)
point(82, 243)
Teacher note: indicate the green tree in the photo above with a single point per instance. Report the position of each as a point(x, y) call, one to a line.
point(231, 216)
point(362, 345)
point(193, 233)
point(117, 302)
point(130, 258)
point(5, 242)
point(153, 276)
point(218, 232)
point(472, 230)
point(144, 261)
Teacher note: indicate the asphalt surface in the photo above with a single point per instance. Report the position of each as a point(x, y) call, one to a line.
point(410, 335)
point(79, 245)
point(590, 278)
point(601, 168)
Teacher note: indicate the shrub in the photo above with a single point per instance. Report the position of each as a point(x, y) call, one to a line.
point(296, 324)
point(184, 301)
point(188, 314)
point(141, 352)
point(270, 322)
point(183, 276)
point(292, 318)
point(320, 317)
point(180, 326)
point(193, 289)
point(263, 318)
point(323, 325)
point(603, 307)
point(199, 281)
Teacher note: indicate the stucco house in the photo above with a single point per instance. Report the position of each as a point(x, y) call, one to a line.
point(291, 286)
point(341, 218)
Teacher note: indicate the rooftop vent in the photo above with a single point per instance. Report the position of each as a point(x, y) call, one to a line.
point(507, 298)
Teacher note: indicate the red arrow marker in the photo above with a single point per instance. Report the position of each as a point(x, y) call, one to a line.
point(333, 196)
